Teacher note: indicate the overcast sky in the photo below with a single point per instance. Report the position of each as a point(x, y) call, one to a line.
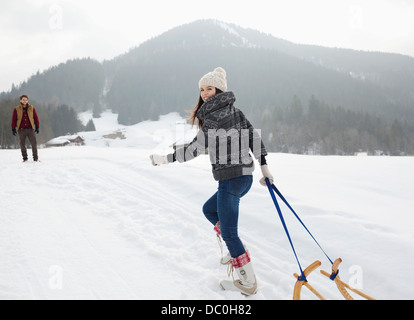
point(37, 34)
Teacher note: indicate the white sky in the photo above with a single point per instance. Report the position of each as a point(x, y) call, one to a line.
point(38, 34)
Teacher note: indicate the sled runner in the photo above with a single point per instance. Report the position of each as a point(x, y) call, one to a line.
point(342, 286)
point(301, 280)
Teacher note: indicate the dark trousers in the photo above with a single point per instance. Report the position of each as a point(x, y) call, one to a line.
point(28, 133)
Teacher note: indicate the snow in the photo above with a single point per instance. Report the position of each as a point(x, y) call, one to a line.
point(158, 135)
point(100, 222)
point(58, 141)
point(233, 32)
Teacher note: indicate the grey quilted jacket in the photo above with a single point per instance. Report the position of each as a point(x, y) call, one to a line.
point(228, 136)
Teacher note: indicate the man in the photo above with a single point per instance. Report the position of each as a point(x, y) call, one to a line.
point(26, 121)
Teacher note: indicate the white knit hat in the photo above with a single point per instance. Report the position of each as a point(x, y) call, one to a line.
point(216, 78)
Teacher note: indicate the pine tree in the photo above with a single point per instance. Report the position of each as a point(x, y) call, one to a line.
point(90, 126)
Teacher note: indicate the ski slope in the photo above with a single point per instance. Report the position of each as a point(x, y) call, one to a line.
point(100, 222)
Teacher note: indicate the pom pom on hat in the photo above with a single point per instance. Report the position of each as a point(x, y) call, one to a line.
point(216, 78)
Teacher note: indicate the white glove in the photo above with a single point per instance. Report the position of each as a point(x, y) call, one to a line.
point(266, 174)
point(158, 160)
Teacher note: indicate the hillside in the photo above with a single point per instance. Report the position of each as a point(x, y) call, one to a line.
point(78, 83)
point(101, 222)
point(264, 71)
point(268, 75)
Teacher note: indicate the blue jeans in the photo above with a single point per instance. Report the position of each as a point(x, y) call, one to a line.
point(223, 206)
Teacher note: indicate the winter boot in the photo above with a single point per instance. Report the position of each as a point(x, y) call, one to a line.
point(247, 283)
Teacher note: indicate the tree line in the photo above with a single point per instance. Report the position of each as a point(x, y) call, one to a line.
point(77, 83)
point(311, 128)
point(54, 122)
point(317, 128)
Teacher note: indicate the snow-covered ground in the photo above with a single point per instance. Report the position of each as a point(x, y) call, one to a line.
point(100, 222)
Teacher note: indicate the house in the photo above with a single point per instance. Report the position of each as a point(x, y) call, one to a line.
point(63, 141)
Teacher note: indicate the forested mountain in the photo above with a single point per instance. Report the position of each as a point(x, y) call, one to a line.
point(78, 83)
point(349, 100)
point(263, 71)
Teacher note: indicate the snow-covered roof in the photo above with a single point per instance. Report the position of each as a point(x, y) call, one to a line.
point(58, 141)
point(62, 140)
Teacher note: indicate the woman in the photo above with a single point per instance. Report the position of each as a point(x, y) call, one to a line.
point(228, 136)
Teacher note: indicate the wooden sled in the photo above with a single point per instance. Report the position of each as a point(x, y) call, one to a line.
point(342, 286)
point(298, 285)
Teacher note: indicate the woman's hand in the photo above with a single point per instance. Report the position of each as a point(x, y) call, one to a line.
point(266, 174)
point(158, 160)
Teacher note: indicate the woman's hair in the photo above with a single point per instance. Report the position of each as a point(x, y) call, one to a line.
point(192, 117)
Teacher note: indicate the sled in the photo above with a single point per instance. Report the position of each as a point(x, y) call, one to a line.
point(300, 283)
point(342, 286)
point(302, 279)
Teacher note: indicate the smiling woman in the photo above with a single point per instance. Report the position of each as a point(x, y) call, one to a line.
point(211, 84)
point(232, 166)
point(207, 92)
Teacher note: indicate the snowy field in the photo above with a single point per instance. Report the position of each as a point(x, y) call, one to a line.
point(100, 222)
